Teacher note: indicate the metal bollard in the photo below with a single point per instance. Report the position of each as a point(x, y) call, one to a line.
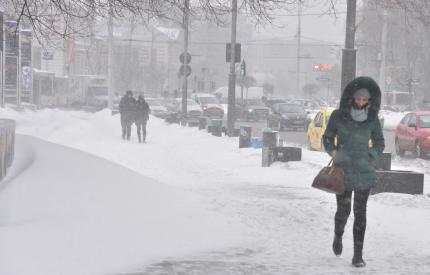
point(245, 136)
point(267, 156)
point(202, 123)
point(269, 139)
point(216, 127)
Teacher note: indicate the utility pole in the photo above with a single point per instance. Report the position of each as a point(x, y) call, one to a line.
point(184, 77)
point(299, 37)
point(18, 68)
point(2, 55)
point(110, 59)
point(232, 76)
point(382, 70)
point(349, 52)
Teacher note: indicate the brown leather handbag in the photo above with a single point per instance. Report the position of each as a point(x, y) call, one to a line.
point(330, 179)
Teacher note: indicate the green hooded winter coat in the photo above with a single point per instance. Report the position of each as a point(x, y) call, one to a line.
point(353, 152)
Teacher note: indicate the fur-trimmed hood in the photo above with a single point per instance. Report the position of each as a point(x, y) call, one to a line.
point(358, 83)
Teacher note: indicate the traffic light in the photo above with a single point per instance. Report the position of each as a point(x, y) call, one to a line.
point(243, 68)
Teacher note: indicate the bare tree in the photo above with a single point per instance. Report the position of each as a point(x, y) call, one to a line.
point(66, 18)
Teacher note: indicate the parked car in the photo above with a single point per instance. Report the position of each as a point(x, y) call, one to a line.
point(317, 128)
point(252, 109)
point(174, 106)
point(309, 105)
point(288, 115)
point(157, 109)
point(413, 134)
point(272, 101)
point(210, 105)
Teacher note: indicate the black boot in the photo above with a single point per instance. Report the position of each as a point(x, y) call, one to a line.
point(337, 245)
point(357, 260)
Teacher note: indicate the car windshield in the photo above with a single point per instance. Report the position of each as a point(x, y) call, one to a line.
point(153, 102)
point(291, 108)
point(191, 102)
point(424, 121)
point(327, 119)
point(208, 100)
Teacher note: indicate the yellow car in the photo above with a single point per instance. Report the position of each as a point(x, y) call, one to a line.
point(317, 128)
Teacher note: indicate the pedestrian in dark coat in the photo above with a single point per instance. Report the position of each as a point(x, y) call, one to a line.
point(353, 125)
point(142, 116)
point(127, 111)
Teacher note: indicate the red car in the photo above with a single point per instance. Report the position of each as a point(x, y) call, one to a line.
point(413, 134)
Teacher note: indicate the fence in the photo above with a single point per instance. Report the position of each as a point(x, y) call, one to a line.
point(7, 145)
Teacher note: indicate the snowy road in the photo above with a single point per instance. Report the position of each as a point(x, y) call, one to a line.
point(286, 226)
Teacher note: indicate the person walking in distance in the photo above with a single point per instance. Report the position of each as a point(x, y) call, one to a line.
point(142, 116)
point(127, 113)
point(360, 142)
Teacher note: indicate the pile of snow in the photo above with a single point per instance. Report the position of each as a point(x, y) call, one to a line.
point(286, 225)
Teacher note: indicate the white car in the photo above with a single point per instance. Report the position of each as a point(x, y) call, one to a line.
point(157, 109)
point(210, 104)
point(194, 111)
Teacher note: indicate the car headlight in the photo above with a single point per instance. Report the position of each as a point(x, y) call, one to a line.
point(250, 110)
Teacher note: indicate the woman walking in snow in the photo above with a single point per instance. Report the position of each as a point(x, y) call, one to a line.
point(353, 125)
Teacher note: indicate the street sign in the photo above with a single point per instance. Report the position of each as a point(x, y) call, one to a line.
point(185, 70)
point(324, 67)
point(47, 55)
point(228, 53)
point(184, 60)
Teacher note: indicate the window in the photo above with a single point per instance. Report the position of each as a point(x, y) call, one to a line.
point(207, 100)
point(413, 120)
point(317, 117)
point(405, 119)
point(424, 121)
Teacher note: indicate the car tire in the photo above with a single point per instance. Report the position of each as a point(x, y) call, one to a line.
point(399, 151)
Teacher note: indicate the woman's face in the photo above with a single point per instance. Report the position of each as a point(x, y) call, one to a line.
point(361, 101)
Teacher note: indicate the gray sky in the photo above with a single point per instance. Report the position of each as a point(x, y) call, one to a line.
point(315, 27)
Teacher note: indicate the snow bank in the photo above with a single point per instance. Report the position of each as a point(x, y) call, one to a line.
point(64, 211)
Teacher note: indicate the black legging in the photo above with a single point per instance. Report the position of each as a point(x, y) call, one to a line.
point(343, 211)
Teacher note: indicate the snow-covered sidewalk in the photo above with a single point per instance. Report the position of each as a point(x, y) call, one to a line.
point(286, 226)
